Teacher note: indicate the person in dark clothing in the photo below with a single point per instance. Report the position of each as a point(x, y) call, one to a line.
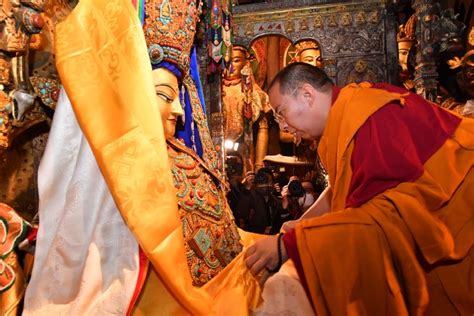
point(261, 208)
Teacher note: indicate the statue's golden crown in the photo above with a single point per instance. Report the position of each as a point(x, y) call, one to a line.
point(406, 32)
point(304, 45)
point(169, 27)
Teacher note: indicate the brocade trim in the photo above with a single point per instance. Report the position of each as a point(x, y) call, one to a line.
point(211, 237)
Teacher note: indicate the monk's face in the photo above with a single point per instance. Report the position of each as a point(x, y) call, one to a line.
point(238, 62)
point(302, 112)
point(311, 56)
point(167, 99)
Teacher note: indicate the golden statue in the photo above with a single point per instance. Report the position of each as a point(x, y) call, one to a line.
point(245, 105)
point(405, 40)
point(308, 51)
point(465, 80)
point(361, 72)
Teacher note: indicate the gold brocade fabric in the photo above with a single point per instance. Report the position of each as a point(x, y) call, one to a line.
point(210, 233)
point(100, 51)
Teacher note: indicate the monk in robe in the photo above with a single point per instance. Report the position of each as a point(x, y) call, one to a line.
point(396, 237)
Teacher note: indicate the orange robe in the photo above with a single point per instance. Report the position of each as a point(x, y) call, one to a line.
point(408, 249)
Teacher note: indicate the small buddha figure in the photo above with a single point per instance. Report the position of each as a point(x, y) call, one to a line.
point(308, 52)
point(346, 19)
point(245, 105)
point(464, 104)
point(360, 18)
point(361, 72)
point(318, 21)
point(405, 39)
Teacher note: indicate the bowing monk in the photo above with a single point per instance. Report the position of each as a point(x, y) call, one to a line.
point(393, 233)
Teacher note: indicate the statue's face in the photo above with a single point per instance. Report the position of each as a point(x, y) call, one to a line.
point(468, 73)
point(238, 62)
point(167, 99)
point(403, 51)
point(470, 37)
point(311, 56)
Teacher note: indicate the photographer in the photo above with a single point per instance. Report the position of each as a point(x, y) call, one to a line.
point(239, 197)
point(262, 205)
point(234, 170)
point(297, 197)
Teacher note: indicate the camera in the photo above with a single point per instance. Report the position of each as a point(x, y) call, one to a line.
point(263, 175)
point(295, 189)
point(234, 167)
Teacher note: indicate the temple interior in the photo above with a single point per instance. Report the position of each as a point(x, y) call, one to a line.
point(243, 153)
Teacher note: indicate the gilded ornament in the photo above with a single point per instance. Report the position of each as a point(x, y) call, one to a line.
point(332, 20)
point(374, 17)
point(169, 29)
point(289, 26)
point(360, 18)
point(318, 21)
point(346, 19)
point(304, 25)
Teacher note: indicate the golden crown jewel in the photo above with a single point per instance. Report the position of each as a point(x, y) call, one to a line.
point(248, 54)
point(406, 32)
point(304, 45)
point(169, 27)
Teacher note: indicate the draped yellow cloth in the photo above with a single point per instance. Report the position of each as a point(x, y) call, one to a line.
point(406, 251)
point(103, 63)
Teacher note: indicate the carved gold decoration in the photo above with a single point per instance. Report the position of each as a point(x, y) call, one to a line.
point(346, 19)
point(318, 21)
point(360, 18)
point(343, 31)
point(169, 29)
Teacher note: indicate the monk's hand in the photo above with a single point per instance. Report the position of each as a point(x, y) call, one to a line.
point(262, 256)
point(289, 225)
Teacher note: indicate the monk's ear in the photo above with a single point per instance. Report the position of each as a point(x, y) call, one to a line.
point(308, 92)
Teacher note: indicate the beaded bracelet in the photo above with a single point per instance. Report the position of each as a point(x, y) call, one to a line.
point(280, 256)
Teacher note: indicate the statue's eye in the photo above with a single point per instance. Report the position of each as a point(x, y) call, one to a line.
point(165, 97)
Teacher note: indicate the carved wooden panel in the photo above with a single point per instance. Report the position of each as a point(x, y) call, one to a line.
point(350, 34)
